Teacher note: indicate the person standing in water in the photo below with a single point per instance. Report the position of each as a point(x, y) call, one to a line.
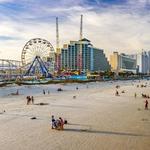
point(44, 92)
point(17, 93)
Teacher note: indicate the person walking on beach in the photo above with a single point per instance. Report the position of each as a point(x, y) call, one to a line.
point(135, 95)
point(146, 104)
point(28, 100)
point(117, 93)
point(32, 99)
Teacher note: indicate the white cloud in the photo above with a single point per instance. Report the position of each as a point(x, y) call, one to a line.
point(112, 28)
point(4, 1)
point(138, 3)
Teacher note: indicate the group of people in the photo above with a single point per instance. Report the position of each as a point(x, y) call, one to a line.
point(145, 96)
point(59, 89)
point(135, 95)
point(30, 99)
point(117, 93)
point(57, 123)
point(146, 101)
point(141, 86)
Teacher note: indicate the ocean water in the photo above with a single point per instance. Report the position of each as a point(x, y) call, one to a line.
point(52, 88)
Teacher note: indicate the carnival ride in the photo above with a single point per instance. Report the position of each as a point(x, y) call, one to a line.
point(38, 58)
point(38, 67)
point(10, 68)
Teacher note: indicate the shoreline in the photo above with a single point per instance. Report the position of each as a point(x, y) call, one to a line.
point(25, 90)
point(20, 83)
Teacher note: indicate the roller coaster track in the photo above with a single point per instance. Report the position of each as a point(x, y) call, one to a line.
point(9, 68)
point(9, 64)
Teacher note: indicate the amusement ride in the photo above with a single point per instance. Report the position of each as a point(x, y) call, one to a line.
point(38, 57)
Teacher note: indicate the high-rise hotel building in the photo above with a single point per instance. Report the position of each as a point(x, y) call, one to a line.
point(93, 59)
point(142, 62)
point(122, 63)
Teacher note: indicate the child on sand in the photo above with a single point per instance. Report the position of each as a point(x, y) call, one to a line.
point(53, 122)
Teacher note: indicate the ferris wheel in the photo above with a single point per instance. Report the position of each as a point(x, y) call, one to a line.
point(38, 48)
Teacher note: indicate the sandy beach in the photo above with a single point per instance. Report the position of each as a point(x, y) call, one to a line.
point(97, 119)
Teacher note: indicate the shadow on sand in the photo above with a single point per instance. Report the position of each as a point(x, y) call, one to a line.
point(66, 106)
point(77, 124)
point(103, 132)
point(41, 104)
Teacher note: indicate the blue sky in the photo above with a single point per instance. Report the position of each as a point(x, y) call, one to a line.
point(121, 25)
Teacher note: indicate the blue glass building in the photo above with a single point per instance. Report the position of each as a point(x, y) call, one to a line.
point(93, 59)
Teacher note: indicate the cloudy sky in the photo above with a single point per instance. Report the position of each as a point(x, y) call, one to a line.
point(122, 25)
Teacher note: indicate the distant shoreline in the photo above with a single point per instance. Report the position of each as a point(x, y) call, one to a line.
point(43, 82)
point(48, 82)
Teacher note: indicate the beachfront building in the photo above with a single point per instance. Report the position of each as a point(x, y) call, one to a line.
point(122, 63)
point(93, 59)
point(142, 62)
point(64, 58)
point(148, 53)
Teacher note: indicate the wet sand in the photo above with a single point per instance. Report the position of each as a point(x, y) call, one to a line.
point(97, 120)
